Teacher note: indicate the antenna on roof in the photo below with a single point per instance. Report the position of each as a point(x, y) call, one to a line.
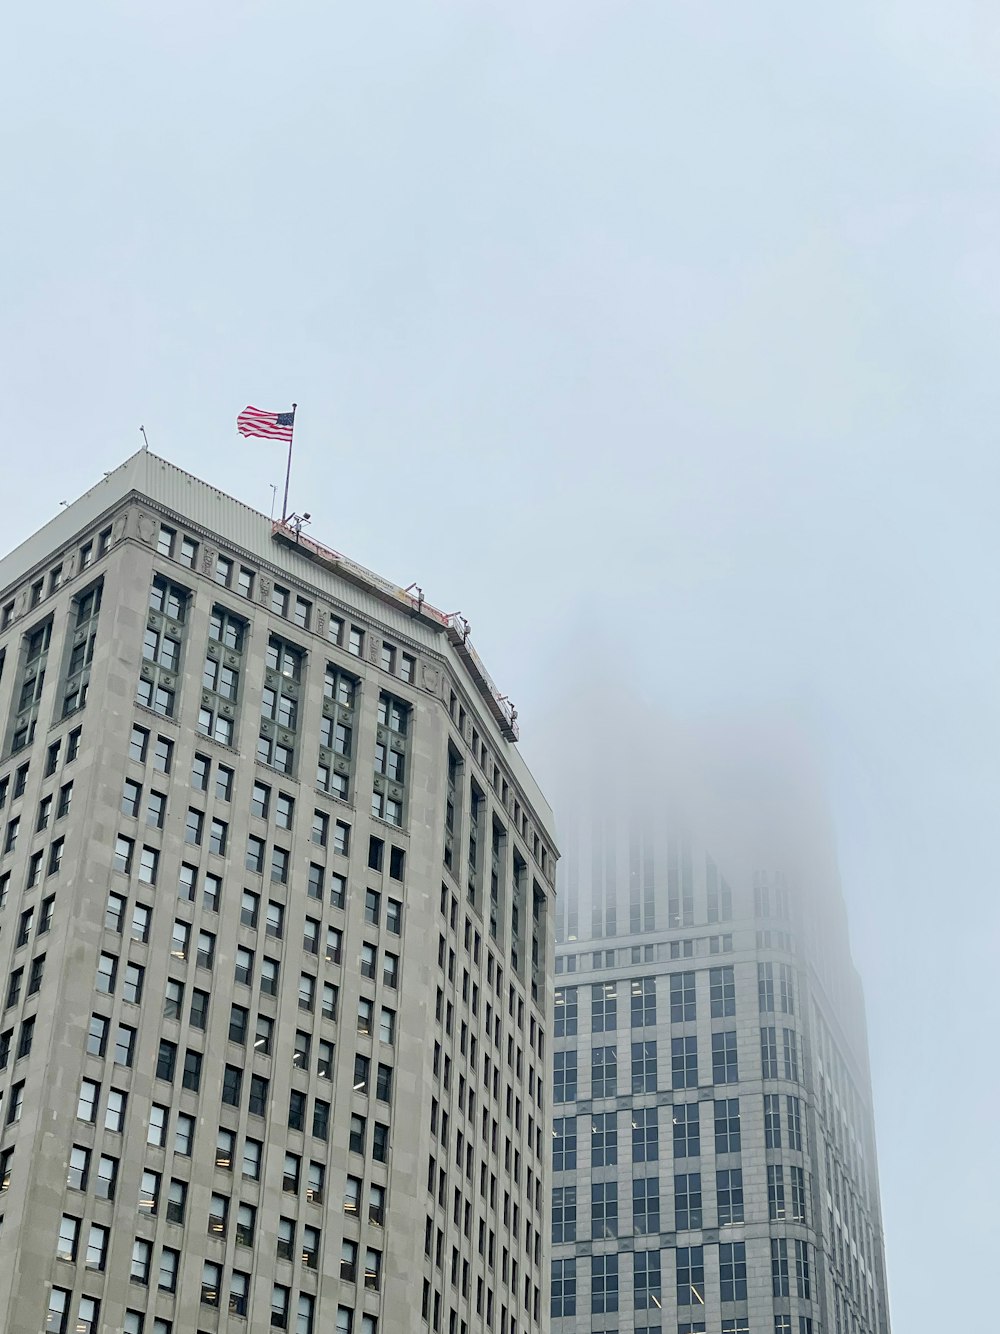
point(145, 442)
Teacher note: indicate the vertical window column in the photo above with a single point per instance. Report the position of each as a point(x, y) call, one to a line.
point(220, 686)
point(161, 652)
point(81, 649)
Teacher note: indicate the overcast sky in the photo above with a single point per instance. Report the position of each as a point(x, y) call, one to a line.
point(658, 338)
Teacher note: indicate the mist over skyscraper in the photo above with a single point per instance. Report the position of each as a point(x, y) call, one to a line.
point(714, 1147)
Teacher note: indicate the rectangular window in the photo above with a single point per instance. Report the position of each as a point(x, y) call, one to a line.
point(687, 1201)
point(687, 1138)
point(643, 1067)
point(604, 1072)
point(722, 992)
point(646, 1206)
point(564, 1082)
point(729, 1195)
point(724, 1064)
point(690, 1276)
point(645, 1135)
point(733, 1271)
point(684, 1062)
point(682, 998)
point(604, 1139)
point(643, 1005)
point(727, 1125)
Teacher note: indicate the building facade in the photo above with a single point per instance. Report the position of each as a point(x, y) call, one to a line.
point(276, 893)
point(714, 1146)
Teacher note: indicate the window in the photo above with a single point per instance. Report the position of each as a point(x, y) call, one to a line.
point(604, 1283)
point(603, 1209)
point(132, 985)
point(772, 1121)
point(790, 1054)
point(794, 1119)
point(769, 1052)
point(89, 1310)
point(563, 1287)
point(729, 1195)
point(239, 1293)
point(604, 1139)
point(727, 1125)
point(643, 1067)
point(79, 1167)
point(779, 1267)
point(184, 1135)
point(722, 992)
point(97, 1247)
point(687, 1201)
point(125, 1045)
point(124, 849)
point(176, 1201)
point(217, 837)
point(69, 1236)
point(775, 1192)
point(149, 1192)
point(232, 1084)
point(646, 1205)
point(645, 1135)
point(279, 1306)
point(224, 1149)
point(690, 1276)
point(107, 971)
point(142, 1256)
point(394, 916)
point(803, 1286)
point(244, 965)
point(169, 1267)
point(260, 801)
point(253, 1158)
point(798, 1181)
point(564, 1081)
point(682, 998)
point(687, 1137)
point(732, 1271)
point(564, 1144)
point(57, 1319)
point(211, 1281)
point(684, 1061)
point(114, 1114)
point(157, 1132)
point(724, 1064)
point(274, 925)
point(566, 1012)
point(643, 1002)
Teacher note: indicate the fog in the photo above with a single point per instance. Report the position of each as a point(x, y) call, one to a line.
point(658, 338)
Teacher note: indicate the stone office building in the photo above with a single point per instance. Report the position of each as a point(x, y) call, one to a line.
point(276, 895)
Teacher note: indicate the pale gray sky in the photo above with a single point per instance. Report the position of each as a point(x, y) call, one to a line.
point(659, 335)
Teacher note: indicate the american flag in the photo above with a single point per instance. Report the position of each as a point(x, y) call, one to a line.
point(273, 425)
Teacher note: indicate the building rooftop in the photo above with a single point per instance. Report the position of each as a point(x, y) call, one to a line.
point(284, 546)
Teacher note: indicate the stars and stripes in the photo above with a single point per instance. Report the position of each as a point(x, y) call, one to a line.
point(271, 425)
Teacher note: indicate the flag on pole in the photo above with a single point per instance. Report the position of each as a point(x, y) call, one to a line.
point(271, 425)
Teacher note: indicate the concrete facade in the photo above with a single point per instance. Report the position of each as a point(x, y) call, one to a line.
point(712, 978)
point(275, 939)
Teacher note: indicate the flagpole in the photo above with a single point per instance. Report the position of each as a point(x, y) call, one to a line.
point(288, 470)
